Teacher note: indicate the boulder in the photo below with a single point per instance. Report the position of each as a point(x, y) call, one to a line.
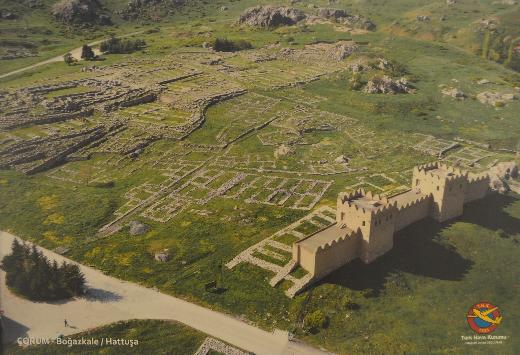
point(386, 85)
point(7, 15)
point(495, 98)
point(138, 228)
point(271, 16)
point(162, 256)
point(342, 50)
point(342, 159)
point(423, 18)
point(331, 13)
point(358, 21)
point(455, 93)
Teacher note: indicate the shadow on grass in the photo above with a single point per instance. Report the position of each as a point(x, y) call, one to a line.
point(99, 295)
point(419, 250)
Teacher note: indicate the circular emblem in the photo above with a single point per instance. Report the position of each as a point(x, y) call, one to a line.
point(484, 317)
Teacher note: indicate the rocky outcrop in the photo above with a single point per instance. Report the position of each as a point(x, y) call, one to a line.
point(495, 98)
point(342, 159)
point(7, 15)
point(342, 50)
point(501, 174)
point(332, 13)
point(138, 228)
point(455, 93)
point(423, 18)
point(162, 256)
point(40, 154)
point(341, 16)
point(79, 12)
point(387, 85)
point(151, 9)
point(271, 16)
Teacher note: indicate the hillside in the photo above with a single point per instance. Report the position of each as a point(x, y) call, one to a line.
point(35, 29)
point(190, 145)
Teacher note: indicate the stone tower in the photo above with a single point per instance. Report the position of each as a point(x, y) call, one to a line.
point(371, 214)
point(447, 185)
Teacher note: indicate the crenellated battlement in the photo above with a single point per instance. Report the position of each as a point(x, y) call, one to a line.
point(332, 243)
point(408, 204)
point(478, 178)
point(439, 172)
point(366, 222)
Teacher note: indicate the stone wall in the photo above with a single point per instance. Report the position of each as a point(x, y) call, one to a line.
point(476, 188)
point(438, 191)
point(413, 212)
point(447, 191)
point(329, 257)
point(381, 237)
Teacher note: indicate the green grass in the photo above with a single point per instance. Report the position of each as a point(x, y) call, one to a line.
point(286, 239)
point(396, 294)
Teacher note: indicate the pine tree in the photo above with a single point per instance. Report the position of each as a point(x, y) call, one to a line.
point(68, 59)
point(31, 274)
point(87, 53)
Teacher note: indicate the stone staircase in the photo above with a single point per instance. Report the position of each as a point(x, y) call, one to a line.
point(299, 285)
point(282, 273)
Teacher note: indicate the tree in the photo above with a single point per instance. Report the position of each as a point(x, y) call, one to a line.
point(68, 59)
point(226, 45)
point(30, 274)
point(117, 46)
point(87, 53)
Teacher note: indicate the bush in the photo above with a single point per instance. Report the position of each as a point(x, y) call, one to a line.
point(315, 321)
point(32, 275)
point(226, 45)
point(87, 53)
point(68, 59)
point(119, 46)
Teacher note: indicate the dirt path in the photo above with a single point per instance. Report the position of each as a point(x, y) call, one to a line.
point(113, 300)
point(76, 53)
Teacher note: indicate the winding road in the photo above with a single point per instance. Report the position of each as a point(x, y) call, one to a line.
point(76, 53)
point(112, 300)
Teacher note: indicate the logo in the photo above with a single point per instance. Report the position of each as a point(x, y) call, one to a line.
point(484, 317)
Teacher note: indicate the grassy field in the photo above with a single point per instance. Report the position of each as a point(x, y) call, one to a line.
point(413, 299)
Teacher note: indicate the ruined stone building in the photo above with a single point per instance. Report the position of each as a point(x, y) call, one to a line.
point(366, 223)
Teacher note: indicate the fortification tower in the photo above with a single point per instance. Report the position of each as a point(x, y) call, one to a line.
point(446, 184)
point(371, 214)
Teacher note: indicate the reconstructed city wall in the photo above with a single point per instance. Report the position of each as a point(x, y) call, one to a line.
point(413, 212)
point(447, 191)
point(332, 256)
point(380, 240)
point(477, 187)
point(438, 191)
point(305, 258)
